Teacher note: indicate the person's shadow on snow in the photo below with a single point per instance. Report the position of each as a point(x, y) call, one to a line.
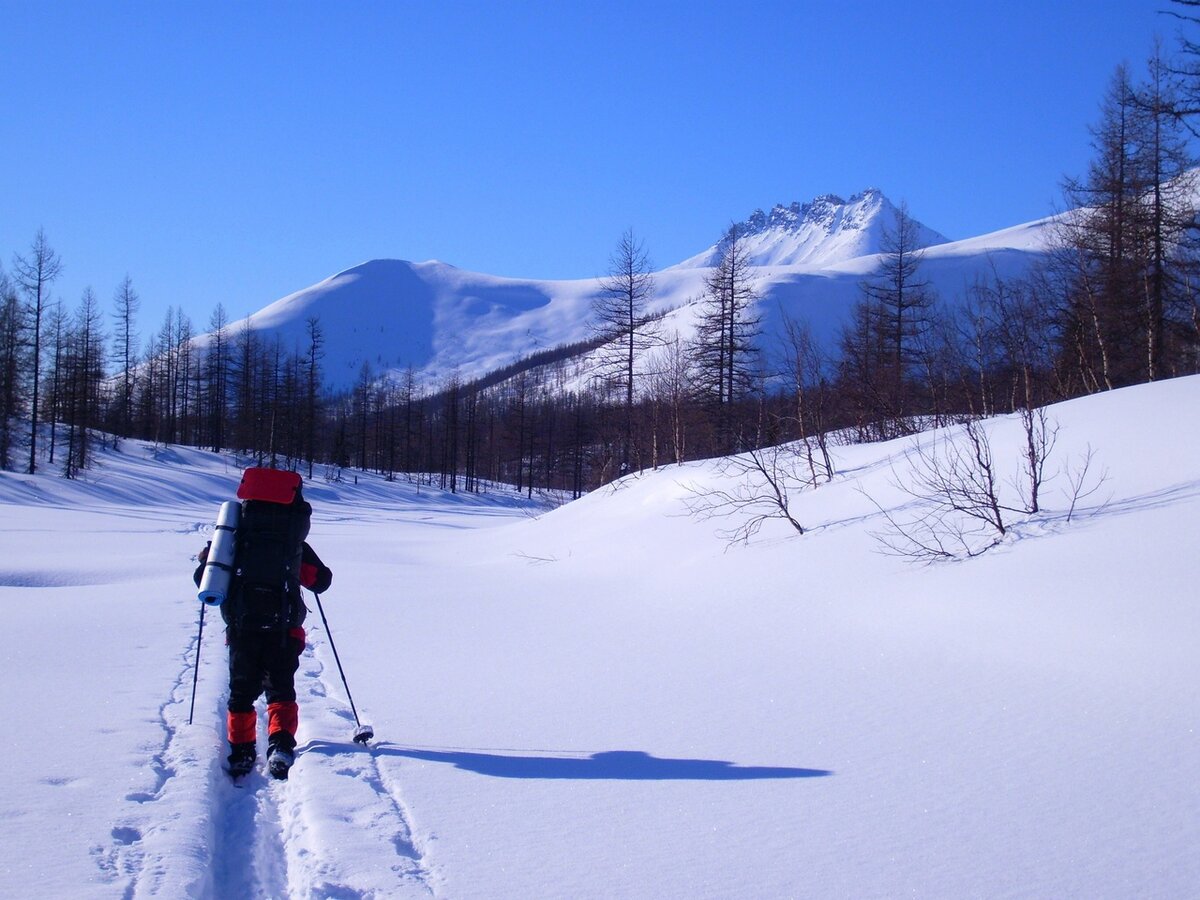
point(618, 765)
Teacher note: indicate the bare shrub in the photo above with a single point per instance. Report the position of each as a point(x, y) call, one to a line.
point(761, 484)
point(958, 509)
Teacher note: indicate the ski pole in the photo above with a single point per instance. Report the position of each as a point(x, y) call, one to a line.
point(196, 674)
point(362, 733)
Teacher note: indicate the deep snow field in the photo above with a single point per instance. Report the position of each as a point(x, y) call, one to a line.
point(607, 700)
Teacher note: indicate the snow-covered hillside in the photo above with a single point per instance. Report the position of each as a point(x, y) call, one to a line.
point(438, 319)
point(605, 700)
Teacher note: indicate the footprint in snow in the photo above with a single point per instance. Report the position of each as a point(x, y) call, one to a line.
point(125, 835)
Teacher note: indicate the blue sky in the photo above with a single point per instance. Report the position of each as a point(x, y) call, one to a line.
point(236, 152)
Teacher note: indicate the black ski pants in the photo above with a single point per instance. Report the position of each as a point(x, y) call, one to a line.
point(262, 662)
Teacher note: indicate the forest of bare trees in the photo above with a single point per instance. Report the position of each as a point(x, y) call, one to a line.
point(1115, 303)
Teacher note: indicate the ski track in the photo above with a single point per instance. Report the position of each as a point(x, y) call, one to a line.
point(338, 829)
point(348, 832)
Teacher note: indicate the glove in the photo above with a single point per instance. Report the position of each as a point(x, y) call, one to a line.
point(316, 578)
point(202, 556)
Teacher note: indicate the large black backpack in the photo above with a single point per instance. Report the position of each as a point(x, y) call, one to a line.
point(264, 594)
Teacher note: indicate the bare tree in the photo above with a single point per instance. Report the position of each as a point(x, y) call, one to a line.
point(1124, 262)
point(670, 389)
point(895, 309)
point(808, 370)
point(1093, 246)
point(186, 364)
point(246, 388)
point(1006, 337)
point(725, 335)
point(35, 273)
point(1166, 211)
point(12, 366)
point(58, 332)
point(957, 488)
point(316, 352)
point(859, 364)
point(961, 508)
point(1187, 70)
point(622, 321)
point(760, 484)
point(217, 378)
point(83, 376)
point(126, 304)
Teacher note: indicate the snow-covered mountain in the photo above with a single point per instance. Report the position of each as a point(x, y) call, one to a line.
point(392, 314)
point(825, 231)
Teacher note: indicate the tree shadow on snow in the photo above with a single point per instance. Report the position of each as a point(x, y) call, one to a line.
point(611, 765)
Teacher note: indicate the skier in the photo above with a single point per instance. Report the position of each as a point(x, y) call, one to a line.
point(264, 615)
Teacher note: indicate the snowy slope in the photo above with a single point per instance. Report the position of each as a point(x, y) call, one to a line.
point(440, 320)
point(606, 700)
point(391, 314)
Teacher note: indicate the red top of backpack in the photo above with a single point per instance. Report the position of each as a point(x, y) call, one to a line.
point(271, 485)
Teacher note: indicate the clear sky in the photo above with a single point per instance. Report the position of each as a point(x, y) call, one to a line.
point(238, 151)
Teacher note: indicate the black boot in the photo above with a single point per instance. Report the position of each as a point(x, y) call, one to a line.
point(281, 753)
point(241, 759)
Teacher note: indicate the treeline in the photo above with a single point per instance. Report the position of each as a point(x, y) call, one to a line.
point(1115, 303)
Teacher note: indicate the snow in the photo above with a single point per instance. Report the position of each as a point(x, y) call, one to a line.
point(608, 700)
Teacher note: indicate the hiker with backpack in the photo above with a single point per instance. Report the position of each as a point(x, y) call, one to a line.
point(264, 614)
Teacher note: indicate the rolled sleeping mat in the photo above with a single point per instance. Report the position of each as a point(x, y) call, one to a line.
point(218, 568)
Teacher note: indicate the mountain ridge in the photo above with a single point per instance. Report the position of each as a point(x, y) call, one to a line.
point(390, 315)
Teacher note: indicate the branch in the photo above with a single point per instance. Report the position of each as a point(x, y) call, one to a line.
point(763, 481)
